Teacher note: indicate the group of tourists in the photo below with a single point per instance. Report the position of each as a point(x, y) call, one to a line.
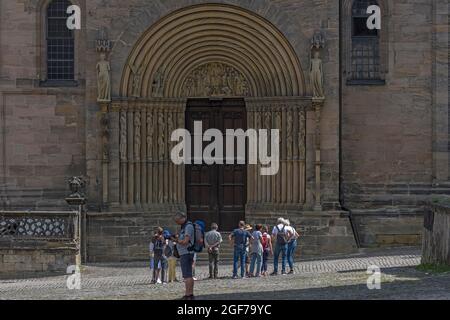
point(252, 248)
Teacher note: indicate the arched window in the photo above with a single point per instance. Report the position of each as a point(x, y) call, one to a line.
point(60, 42)
point(365, 44)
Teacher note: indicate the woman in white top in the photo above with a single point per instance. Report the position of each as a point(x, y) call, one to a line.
point(292, 245)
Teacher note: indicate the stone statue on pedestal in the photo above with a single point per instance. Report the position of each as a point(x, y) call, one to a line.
point(316, 75)
point(103, 79)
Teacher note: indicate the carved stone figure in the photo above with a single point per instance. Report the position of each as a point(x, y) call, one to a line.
point(123, 136)
point(76, 185)
point(137, 73)
point(158, 84)
point(302, 135)
point(268, 120)
point(278, 120)
point(258, 116)
point(161, 135)
point(150, 131)
point(137, 136)
point(215, 79)
point(103, 79)
point(316, 75)
point(289, 133)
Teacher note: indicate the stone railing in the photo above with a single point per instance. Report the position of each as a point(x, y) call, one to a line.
point(36, 241)
point(436, 237)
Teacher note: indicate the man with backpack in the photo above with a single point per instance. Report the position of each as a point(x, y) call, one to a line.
point(280, 234)
point(185, 243)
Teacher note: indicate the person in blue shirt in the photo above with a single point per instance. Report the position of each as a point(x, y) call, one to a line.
point(240, 238)
point(184, 241)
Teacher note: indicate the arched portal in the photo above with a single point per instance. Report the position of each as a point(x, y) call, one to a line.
point(214, 52)
point(204, 34)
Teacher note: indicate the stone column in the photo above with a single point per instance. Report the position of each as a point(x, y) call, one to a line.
point(104, 125)
point(317, 106)
point(123, 153)
point(114, 155)
point(286, 189)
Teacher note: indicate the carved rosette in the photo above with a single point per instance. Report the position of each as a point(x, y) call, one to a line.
point(215, 79)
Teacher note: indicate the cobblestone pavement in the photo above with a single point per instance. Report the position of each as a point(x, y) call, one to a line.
point(333, 278)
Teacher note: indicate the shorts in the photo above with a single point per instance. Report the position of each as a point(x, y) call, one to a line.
point(186, 261)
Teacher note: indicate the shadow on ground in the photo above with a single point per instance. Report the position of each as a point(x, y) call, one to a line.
point(409, 284)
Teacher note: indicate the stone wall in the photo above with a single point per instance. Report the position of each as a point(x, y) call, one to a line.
point(37, 243)
point(42, 137)
point(123, 236)
point(395, 135)
point(118, 237)
point(436, 240)
point(321, 234)
point(32, 261)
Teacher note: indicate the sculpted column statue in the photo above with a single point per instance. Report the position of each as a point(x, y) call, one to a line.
point(158, 84)
point(136, 85)
point(316, 75)
point(103, 79)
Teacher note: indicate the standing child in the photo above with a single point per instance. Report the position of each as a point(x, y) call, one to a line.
point(152, 260)
point(267, 249)
point(169, 252)
point(256, 251)
point(159, 260)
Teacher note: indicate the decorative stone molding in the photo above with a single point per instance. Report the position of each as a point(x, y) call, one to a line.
point(102, 43)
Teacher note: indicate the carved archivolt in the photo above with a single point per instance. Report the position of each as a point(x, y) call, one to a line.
point(215, 79)
point(161, 62)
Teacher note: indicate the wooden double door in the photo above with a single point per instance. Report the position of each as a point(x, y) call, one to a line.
point(216, 193)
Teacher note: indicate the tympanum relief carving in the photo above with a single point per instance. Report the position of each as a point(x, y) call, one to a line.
point(215, 79)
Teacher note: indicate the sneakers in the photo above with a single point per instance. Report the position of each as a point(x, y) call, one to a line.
point(291, 272)
point(274, 273)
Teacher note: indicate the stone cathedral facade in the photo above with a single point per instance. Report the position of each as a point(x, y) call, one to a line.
point(362, 114)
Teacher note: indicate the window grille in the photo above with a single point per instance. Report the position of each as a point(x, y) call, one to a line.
point(365, 53)
point(60, 42)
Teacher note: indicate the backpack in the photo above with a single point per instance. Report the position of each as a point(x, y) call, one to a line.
point(168, 251)
point(198, 242)
point(158, 244)
point(281, 236)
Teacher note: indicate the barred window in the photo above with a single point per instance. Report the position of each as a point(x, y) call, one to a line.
point(365, 53)
point(60, 42)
